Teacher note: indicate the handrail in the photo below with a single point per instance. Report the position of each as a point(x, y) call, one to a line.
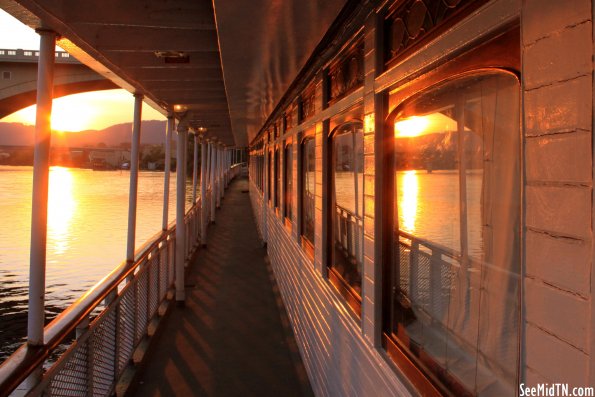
point(15, 369)
point(431, 245)
point(345, 210)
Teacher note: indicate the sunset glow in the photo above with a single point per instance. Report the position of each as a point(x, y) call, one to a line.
point(88, 111)
point(433, 123)
point(411, 127)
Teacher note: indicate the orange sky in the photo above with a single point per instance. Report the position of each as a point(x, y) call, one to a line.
point(88, 111)
point(91, 110)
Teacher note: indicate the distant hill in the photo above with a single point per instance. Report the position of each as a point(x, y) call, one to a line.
point(17, 134)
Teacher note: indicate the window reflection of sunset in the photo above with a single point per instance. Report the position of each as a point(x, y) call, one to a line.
point(408, 189)
point(433, 123)
point(61, 208)
point(411, 127)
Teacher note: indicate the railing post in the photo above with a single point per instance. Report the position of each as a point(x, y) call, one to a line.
point(195, 169)
point(180, 211)
point(132, 196)
point(39, 210)
point(168, 134)
point(203, 192)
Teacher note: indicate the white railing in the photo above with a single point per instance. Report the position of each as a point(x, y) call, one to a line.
point(101, 331)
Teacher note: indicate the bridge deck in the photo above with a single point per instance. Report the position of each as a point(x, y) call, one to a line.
point(233, 337)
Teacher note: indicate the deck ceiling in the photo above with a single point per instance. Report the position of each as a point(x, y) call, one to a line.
point(242, 54)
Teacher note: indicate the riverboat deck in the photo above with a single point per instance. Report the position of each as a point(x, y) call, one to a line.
point(233, 336)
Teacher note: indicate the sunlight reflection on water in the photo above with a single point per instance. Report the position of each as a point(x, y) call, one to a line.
point(87, 227)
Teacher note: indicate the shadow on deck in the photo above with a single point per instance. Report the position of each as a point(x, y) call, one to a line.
point(233, 337)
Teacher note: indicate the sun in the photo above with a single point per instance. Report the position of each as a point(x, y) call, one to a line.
point(72, 116)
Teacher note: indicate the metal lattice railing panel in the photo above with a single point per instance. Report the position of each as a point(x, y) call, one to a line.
point(72, 379)
point(404, 269)
point(171, 250)
point(126, 328)
point(141, 304)
point(153, 276)
point(163, 269)
point(103, 353)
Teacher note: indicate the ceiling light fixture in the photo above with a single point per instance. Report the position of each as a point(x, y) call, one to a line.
point(173, 56)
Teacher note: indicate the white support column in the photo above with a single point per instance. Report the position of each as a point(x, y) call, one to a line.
point(218, 175)
point(203, 191)
point(195, 169)
point(180, 210)
point(168, 134)
point(208, 164)
point(223, 168)
point(229, 166)
point(213, 181)
point(221, 182)
point(225, 157)
point(41, 173)
point(133, 193)
point(265, 195)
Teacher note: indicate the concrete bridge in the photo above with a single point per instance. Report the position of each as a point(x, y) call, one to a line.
point(18, 78)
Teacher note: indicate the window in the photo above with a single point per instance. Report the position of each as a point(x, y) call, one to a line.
point(269, 171)
point(288, 188)
point(261, 171)
point(277, 176)
point(454, 281)
point(347, 211)
point(308, 186)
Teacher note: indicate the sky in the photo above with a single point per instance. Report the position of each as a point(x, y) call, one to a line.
point(79, 112)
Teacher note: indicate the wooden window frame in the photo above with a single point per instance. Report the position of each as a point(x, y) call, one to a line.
point(287, 147)
point(501, 52)
point(307, 245)
point(352, 298)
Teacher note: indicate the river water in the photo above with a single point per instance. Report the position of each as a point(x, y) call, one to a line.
point(87, 228)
